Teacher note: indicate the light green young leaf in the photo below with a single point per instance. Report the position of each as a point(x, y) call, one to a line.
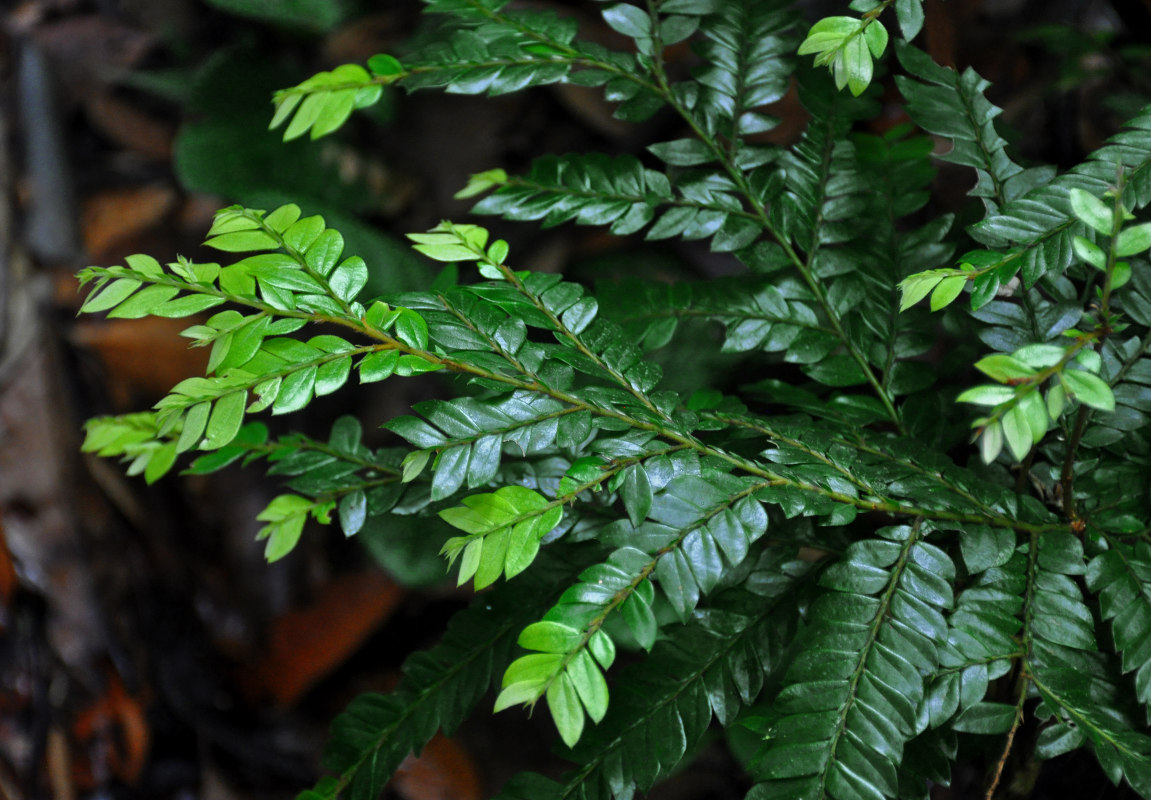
point(918, 286)
point(161, 460)
point(1016, 432)
point(414, 463)
point(482, 182)
point(144, 302)
point(492, 559)
point(337, 107)
point(987, 395)
point(194, 423)
point(1056, 400)
point(451, 251)
point(283, 217)
point(243, 241)
point(947, 290)
point(828, 34)
point(145, 264)
point(498, 252)
point(1040, 356)
point(853, 67)
point(231, 219)
point(567, 712)
point(1091, 211)
point(227, 416)
point(1120, 275)
point(876, 36)
point(549, 637)
point(1089, 389)
point(110, 295)
point(1034, 410)
point(285, 515)
point(519, 693)
point(1089, 252)
point(1004, 368)
point(470, 561)
point(1089, 359)
point(991, 442)
point(1133, 240)
point(589, 684)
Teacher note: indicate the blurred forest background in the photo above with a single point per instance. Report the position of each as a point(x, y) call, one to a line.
point(146, 648)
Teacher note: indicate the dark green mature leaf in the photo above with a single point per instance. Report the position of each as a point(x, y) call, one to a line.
point(949, 104)
point(591, 190)
point(1121, 576)
point(851, 696)
point(747, 51)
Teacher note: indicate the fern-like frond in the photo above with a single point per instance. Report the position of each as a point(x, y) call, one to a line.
point(591, 189)
point(827, 203)
point(1121, 576)
point(1039, 226)
point(825, 198)
point(982, 631)
point(713, 666)
point(468, 435)
point(1079, 685)
point(748, 53)
point(953, 105)
point(851, 697)
point(1078, 713)
point(696, 526)
point(296, 276)
point(899, 169)
point(757, 314)
point(620, 192)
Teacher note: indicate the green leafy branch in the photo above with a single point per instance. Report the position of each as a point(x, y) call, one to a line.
point(715, 665)
point(323, 103)
point(570, 641)
point(569, 314)
point(404, 336)
point(714, 150)
point(1019, 415)
point(504, 531)
point(846, 46)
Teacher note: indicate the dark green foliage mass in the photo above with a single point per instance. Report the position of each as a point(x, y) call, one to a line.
point(811, 551)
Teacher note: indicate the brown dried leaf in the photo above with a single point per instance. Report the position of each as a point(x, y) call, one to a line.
point(308, 643)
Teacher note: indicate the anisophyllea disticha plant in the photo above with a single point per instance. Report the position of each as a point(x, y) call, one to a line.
point(949, 423)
